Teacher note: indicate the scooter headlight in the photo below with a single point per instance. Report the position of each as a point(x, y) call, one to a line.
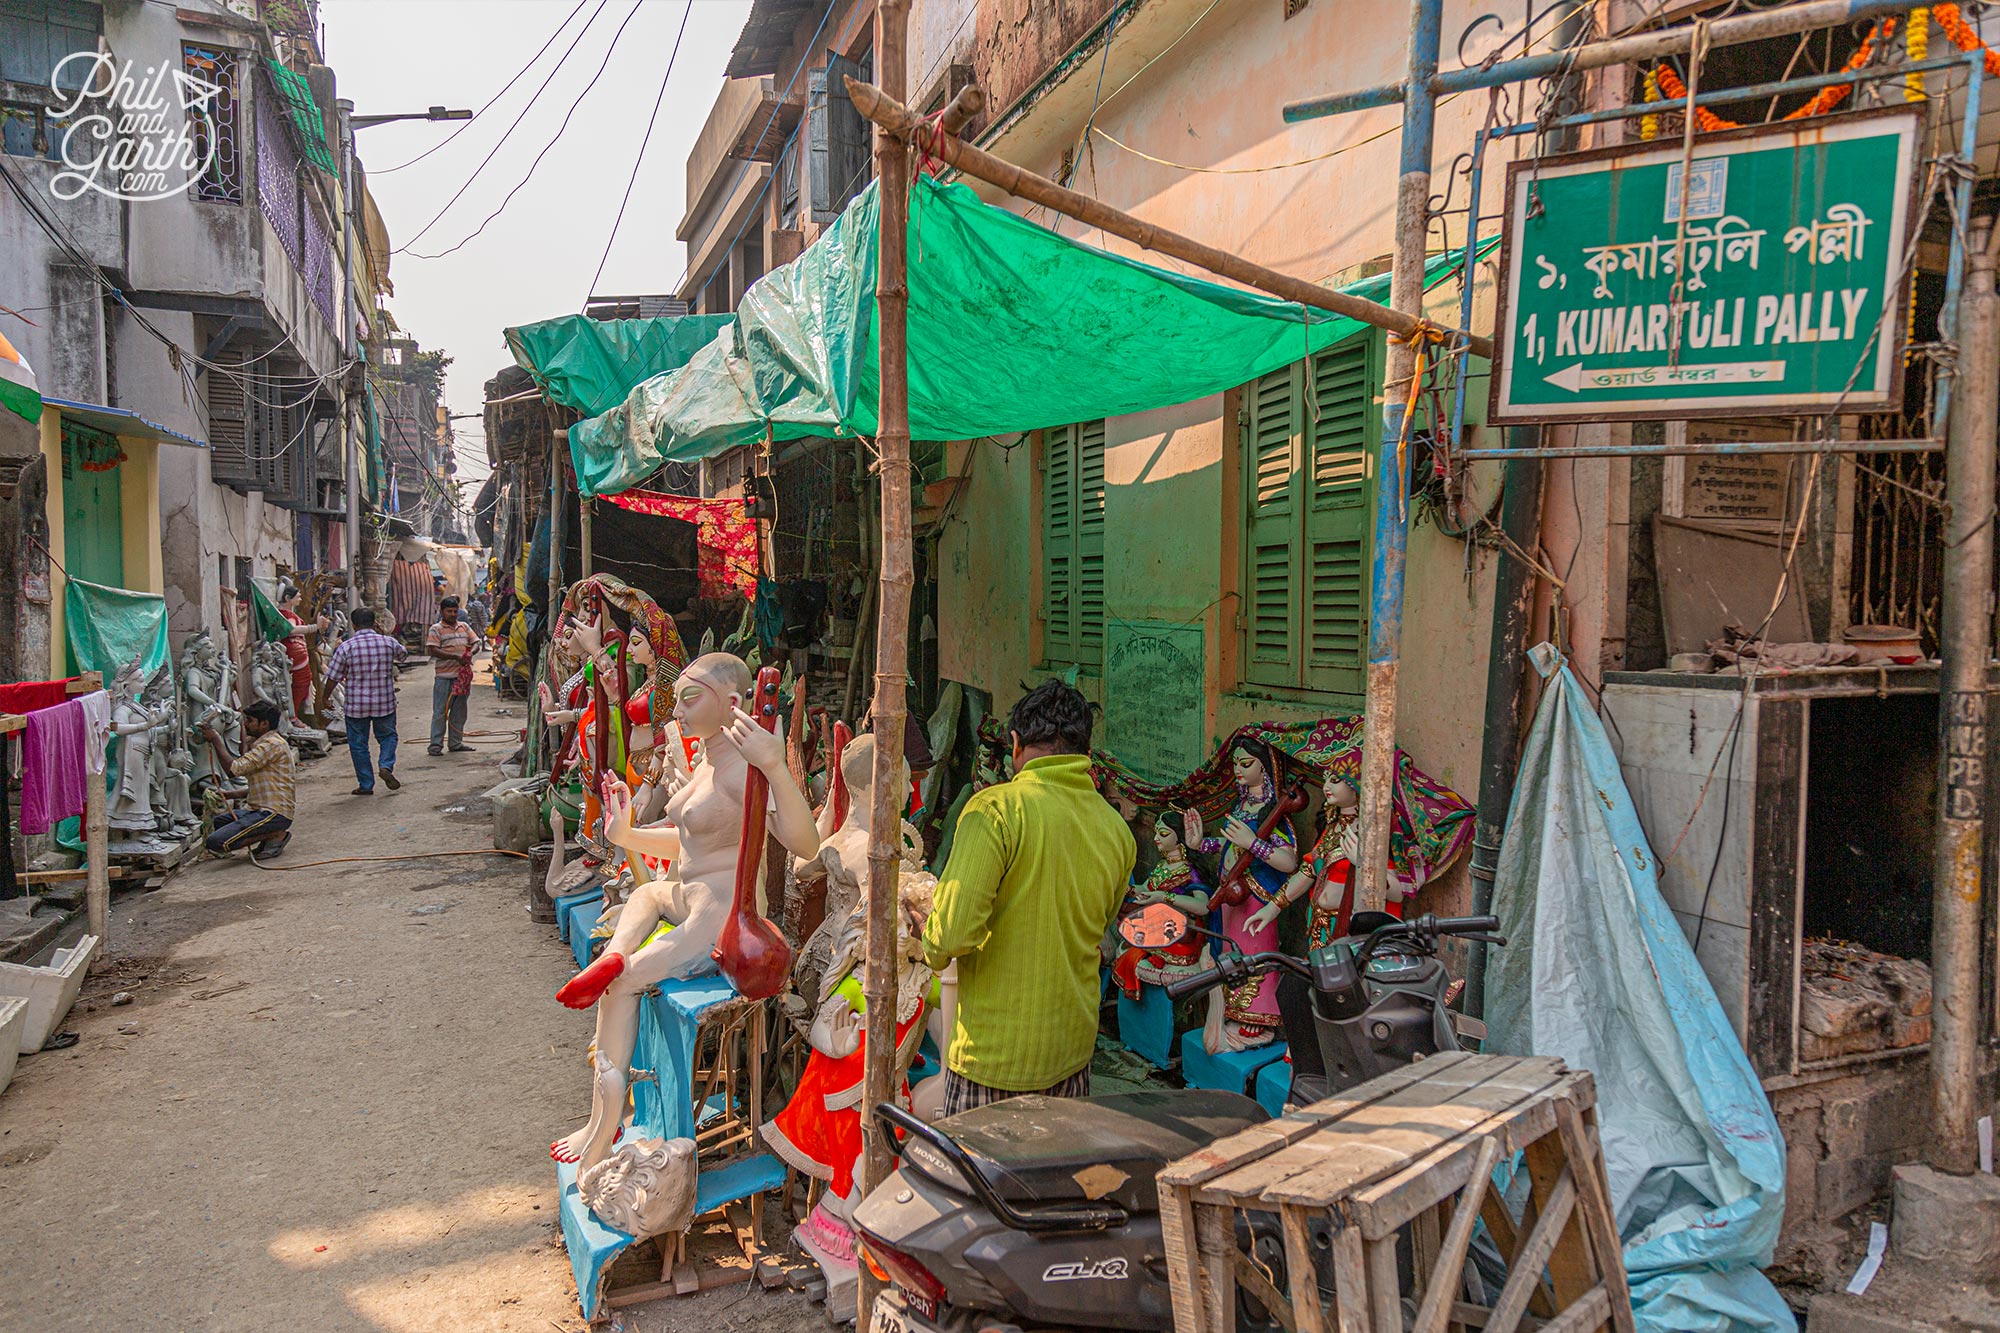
point(934, 1164)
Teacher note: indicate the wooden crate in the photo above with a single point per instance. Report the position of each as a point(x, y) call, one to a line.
point(1412, 1150)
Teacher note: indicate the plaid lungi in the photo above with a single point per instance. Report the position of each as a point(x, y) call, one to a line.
point(962, 1094)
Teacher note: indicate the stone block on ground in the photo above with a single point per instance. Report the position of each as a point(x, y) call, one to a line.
point(1951, 1223)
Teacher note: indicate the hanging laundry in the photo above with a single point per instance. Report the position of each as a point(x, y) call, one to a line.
point(725, 537)
point(97, 729)
point(30, 696)
point(52, 766)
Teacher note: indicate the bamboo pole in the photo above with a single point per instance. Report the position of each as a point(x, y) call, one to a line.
point(887, 111)
point(96, 845)
point(892, 444)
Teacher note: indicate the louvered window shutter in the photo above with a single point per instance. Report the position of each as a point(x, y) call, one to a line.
point(1273, 502)
point(818, 171)
point(1059, 557)
point(1347, 424)
point(228, 422)
point(1090, 543)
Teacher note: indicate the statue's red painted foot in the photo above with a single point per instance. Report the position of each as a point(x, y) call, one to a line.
point(586, 987)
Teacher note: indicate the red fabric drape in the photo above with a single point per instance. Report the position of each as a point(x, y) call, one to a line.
point(725, 537)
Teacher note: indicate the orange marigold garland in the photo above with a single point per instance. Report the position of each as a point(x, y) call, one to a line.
point(1831, 96)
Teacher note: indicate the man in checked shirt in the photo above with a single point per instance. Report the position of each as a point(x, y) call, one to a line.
point(366, 661)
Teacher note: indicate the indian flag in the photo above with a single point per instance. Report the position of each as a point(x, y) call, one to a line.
point(18, 391)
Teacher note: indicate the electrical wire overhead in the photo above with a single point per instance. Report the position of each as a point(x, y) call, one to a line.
point(488, 105)
point(557, 138)
point(633, 179)
point(519, 118)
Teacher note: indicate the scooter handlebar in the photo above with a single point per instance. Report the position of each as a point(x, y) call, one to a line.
point(1233, 968)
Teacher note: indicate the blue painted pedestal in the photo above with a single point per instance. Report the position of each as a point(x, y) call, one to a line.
point(662, 1107)
point(1146, 1025)
point(1274, 1082)
point(1230, 1071)
point(569, 901)
point(580, 920)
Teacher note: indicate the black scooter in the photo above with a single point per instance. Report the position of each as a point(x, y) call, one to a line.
point(1042, 1212)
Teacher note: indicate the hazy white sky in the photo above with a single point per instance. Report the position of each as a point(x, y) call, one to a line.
point(535, 260)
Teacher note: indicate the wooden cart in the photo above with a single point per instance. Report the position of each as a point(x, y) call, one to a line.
point(1418, 1150)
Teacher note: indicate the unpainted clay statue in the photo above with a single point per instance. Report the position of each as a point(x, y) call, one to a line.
point(843, 859)
point(137, 804)
point(206, 677)
point(643, 1189)
point(271, 681)
point(702, 834)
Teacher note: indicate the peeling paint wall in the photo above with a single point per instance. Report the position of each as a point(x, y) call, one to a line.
point(1203, 89)
point(176, 521)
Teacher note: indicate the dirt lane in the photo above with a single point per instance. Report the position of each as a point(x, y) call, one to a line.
point(334, 1111)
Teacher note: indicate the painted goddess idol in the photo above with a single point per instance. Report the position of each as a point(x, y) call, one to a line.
point(1260, 849)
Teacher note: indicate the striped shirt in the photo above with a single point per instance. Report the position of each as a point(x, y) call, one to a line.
point(456, 639)
point(272, 773)
point(367, 663)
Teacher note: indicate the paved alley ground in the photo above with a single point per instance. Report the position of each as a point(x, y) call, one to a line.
point(334, 1113)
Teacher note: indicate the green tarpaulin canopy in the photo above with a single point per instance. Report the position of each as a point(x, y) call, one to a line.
point(302, 112)
point(1012, 327)
point(592, 364)
point(108, 627)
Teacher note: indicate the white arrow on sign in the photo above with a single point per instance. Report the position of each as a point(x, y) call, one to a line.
point(1578, 380)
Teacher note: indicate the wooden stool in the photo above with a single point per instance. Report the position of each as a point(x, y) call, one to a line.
point(1416, 1149)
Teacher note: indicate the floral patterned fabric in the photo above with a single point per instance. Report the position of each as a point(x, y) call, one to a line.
point(725, 537)
point(1433, 823)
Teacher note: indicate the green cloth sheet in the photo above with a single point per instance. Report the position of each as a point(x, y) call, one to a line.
point(1012, 327)
point(592, 364)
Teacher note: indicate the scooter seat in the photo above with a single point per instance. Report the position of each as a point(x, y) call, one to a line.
point(1040, 1149)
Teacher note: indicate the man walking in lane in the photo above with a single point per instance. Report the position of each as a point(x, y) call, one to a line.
point(450, 643)
point(367, 663)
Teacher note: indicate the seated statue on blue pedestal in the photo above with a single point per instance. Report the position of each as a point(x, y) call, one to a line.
point(701, 836)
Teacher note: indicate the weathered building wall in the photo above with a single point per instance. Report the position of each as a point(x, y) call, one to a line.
point(176, 522)
point(1213, 100)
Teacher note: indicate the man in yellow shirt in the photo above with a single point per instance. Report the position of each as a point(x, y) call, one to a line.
point(1038, 868)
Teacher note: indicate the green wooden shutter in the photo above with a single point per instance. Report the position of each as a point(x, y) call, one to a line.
point(1090, 543)
point(1273, 500)
point(1059, 467)
point(1336, 528)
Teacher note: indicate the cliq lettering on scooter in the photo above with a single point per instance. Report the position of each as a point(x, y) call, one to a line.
point(1104, 1270)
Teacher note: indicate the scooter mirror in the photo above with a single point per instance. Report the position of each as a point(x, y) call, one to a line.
point(1154, 926)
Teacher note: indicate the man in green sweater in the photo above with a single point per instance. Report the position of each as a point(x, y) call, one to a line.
point(1038, 867)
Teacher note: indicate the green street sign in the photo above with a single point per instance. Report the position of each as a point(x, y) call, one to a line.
point(1782, 291)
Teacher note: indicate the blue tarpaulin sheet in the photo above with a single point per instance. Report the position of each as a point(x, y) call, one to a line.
point(1599, 973)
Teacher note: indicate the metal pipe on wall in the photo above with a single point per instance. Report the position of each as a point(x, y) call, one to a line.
point(1966, 647)
point(1785, 21)
point(1508, 688)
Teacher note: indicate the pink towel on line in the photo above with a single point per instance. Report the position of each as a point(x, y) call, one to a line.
point(52, 766)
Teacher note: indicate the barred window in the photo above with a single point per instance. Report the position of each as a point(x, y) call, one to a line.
point(216, 124)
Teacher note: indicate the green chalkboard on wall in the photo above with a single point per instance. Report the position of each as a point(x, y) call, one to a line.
point(1153, 675)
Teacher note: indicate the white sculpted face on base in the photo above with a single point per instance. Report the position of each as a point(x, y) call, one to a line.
point(644, 1188)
